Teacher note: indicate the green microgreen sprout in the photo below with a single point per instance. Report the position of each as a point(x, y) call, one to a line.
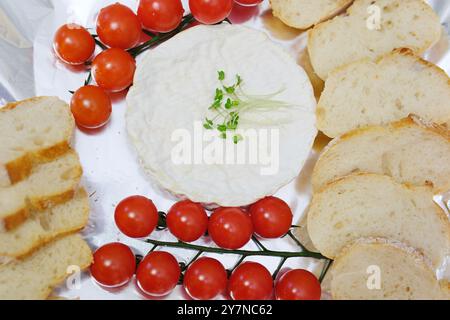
point(230, 102)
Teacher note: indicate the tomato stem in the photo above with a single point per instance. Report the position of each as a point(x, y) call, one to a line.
point(241, 259)
point(193, 259)
point(245, 253)
point(100, 44)
point(88, 79)
point(263, 251)
point(291, 235)
point(259, 244)
point(325, 270)
point(280, 265)
point(159, 38)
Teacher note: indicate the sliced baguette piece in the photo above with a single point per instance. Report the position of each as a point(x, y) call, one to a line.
point(34, 131)
point(371, 205)
point(403, 273)
point(49, 184)
point(378, 92)
point(391, 150)
point(302, 14)
point(37, 275)
point(43, 227)
point(402, 24)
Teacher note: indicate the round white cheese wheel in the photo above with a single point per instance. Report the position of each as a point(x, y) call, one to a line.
point(174, 87)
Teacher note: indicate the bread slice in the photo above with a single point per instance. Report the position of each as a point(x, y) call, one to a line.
point(49, 184)
point(401, 273)
point(371, 205)
point(391, 150)
point(43, 227)
point(376, 93)
point(302, 14)
point(402, 24)
point(33, 131)
point(35, 276)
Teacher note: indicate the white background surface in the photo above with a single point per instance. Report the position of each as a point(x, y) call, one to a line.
point(111, 172)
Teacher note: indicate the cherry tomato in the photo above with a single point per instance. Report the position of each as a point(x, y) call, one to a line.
point(118, 27)
point(114, 265)
point(187, 221)
point(230, 228)
point(160, 15)
point(158, 273)
point(271, 217)
point(205, 279)
point(241, 14)
point(91, 107)
point(248, 2)
point(113, 69)
point(136, 216)
point(298, 285)
point(250, 281)
point(210, 11)
point(73, 44)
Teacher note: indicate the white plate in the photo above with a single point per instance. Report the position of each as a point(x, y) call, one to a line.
point(111, 170)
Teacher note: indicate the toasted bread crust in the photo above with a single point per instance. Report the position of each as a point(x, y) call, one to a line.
point(42, 203)
point(20, 168)
point(58, 280)
point(341, 5)
point(438, 72)
point(410, 121)
point(318, 195)
point(403, 123)
point(421, 262)
point(46, 239)
point(350, 10)
point(13, 105)
point(42, 242)
point(16, 219)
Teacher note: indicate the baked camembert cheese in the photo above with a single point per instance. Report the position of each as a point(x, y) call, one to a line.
point(174, 88)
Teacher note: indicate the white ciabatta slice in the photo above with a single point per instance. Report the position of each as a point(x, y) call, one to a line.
point(371, 205)
point(43, 227)
point(378, 92)
point(372, 28)
point(379, 269)
point(391, 150)
point(303, 14)
point(49, 184)
point(34, 131)
point(35, 276)
point(174, 87)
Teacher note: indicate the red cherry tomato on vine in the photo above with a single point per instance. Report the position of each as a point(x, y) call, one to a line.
point(230, 228)
point(118, 27)
point(250, 281)
point(136, 216)
point(248, 2)
point(241, 14)
point(91, 107)
point(158, 273)
point(271, 217)
point(114, 265)
point(113, 69)
point(210, 11)
point(205, 279)
point(298, 285)
point(73, 44)
point(187, 220)
point(160, 15)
